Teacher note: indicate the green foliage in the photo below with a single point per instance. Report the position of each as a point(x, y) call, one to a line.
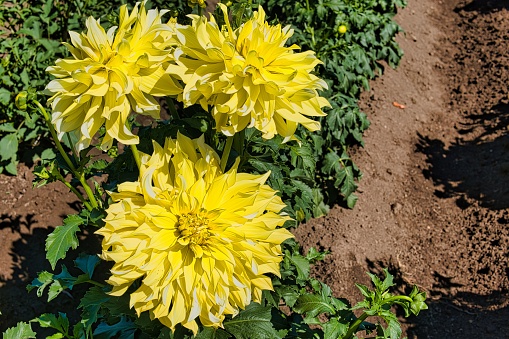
point(310, 174)
point(20, 331)
point(62, 238)
point(32, 35)
point(350, 60)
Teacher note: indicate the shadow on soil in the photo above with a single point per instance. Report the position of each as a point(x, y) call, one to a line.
point(459, 315)
point(482, 6)
point(28, 258)
point(477, 169)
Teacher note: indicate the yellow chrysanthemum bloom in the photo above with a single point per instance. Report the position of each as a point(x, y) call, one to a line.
point(200, 240)
point(248, 76)
point(111, 73)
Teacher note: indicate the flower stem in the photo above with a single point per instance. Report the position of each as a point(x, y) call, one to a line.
point(226, 152)
point(136, 155)
point(79, 175)
point(77, 193)
point(238, 142)
point(171, 107)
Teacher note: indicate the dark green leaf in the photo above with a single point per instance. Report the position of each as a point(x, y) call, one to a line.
point(252, 323)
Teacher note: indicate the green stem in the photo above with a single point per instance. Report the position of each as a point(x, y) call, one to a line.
point(226, 152)
point(95, 283)
point(80, 176)
point(353, 328)
point(238, 142)
point(77, 193)
point(171, 107)
point(307, 5)
point(70, 144)
point(136, 155)
point(396, 298)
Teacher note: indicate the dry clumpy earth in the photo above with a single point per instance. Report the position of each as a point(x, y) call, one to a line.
point(433, 203)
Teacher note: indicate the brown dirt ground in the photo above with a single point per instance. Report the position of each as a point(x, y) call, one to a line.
point(433, 202)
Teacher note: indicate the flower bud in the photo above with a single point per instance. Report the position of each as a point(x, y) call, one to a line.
point(21, 100)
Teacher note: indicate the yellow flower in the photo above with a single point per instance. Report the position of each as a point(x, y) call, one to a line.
point(200, 241)
point(249, 77)
point(111, 73)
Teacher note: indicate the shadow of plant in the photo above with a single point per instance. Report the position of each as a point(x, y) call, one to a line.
point(28, 259)
point(478, 168)
point(482, 6)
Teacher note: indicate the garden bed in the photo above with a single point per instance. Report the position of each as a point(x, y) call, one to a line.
point(433, 202)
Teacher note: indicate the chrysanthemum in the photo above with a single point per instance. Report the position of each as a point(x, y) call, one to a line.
point(200, 241)
point(248, 76)
point(110, 74)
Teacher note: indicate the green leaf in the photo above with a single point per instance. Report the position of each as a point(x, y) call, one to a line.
point(252, 323)
point(60, 323)
point(8, 146)
point(11, 168)
point(312, 305)
point(87, 263)
point(8, 127)
point(20, 331)
point(212, 333)
point(334, 329)
point(289, 294)
point(5, 96)
point(91, 303)
point(315, 255)
point(62, 238)
point(43, 279)
point(48, 154)
point(123, 329)
point(301, 264)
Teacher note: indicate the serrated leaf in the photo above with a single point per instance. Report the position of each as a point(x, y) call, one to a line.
point(252, 323)
point(60, 323)
point(55, 289)
point(289, 294)
point(62, 238)
point(43, 279)
point(312, 305)
point(301, 264)
point(91, 303)
point(7, 127)
point(333, 329)
point(20, 331)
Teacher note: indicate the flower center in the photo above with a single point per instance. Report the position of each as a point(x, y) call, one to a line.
point(194, 229)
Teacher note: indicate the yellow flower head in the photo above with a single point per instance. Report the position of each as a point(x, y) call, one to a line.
point(200, 240)
point(111, 73)
point(248, 75)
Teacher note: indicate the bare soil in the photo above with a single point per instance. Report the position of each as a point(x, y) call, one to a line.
point(433, 203)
